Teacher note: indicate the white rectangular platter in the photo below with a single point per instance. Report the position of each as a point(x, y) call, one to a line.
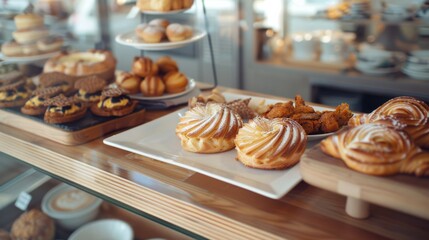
point(157, 139)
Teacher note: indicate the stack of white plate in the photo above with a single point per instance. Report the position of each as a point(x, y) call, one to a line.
point(417, 65)
point(379, 62)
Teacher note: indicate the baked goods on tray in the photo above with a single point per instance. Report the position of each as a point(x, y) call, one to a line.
point(377, 149)
point(61, 109)
point(57, 79)
point(152, 86)
point(144, 66)
point(270, 143)
point(35, 105)
point(129, 82)
point(313, 122)
point(163, 5)
point(33, 224)
point(175, 82)
point(208, 128)
point(93, 62)
point(89, 89)
point(113, 102)
point(153, 78)
point(160, 29)
point(407, 113)
point(14, 94)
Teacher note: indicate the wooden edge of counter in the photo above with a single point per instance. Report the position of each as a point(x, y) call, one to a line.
point(70, 137)
point(407, 194)
point(194, 218)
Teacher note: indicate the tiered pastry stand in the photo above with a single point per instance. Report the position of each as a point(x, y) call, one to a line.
point(403, 193)
point(130, 39)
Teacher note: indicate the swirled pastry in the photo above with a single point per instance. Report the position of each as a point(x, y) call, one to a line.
point(270, 143)
point(377, 149)
point(208, 129)
point(405, 110)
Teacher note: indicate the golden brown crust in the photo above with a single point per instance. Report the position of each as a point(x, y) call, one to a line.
point(377, 149)
point(93, 62)
point(166, 64)
point(61, 118)
point(270, 143)
point(33, 224)
point(117, 112)
point(129, 82)
point(143, 67)
point(15, 103)
point(208, 128)
point(62, 101)
point(407, 111)
point(175, 82)
point(152, 86)
point(33, 111)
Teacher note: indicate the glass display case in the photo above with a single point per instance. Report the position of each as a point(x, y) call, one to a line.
point(333, 49)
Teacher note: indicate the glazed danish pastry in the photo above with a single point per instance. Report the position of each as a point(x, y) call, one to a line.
point(409, 111)
point(270, 143)
point(208, 129)
point(377, 149)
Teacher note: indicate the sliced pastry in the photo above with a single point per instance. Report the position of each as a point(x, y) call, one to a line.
point(14, 94)
point(62, 109)
point(35, 105)
point(90, 89)
point(113, 102)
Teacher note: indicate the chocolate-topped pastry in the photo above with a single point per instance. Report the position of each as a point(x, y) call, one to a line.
point(61, 109)
point(14, 94)
point(11, 77)
point(89, 89)
point(113, 102)
point(35, 105)
point(54, 79)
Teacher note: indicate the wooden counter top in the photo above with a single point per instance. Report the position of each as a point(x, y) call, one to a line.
point(200, 204)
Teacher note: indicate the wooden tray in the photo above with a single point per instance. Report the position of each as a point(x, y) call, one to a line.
point(78, 132)
point(404, 193)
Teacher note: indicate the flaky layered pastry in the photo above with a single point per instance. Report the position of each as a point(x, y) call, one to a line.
point(406, 111)
point(270, 143)
point(208, 129)
point(377, 149)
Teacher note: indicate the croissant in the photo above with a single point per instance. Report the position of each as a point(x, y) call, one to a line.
point(377, 149)
point(409, 111)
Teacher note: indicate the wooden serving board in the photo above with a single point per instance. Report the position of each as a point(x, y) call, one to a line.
point(86, 129)
point(405, 193)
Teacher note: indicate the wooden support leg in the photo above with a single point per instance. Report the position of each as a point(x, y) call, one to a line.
point(357, 208)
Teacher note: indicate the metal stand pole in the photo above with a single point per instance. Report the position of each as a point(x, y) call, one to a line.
point(206, 22)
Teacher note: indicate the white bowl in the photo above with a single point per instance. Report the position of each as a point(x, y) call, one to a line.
point(71, 212)
point(107, 229)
